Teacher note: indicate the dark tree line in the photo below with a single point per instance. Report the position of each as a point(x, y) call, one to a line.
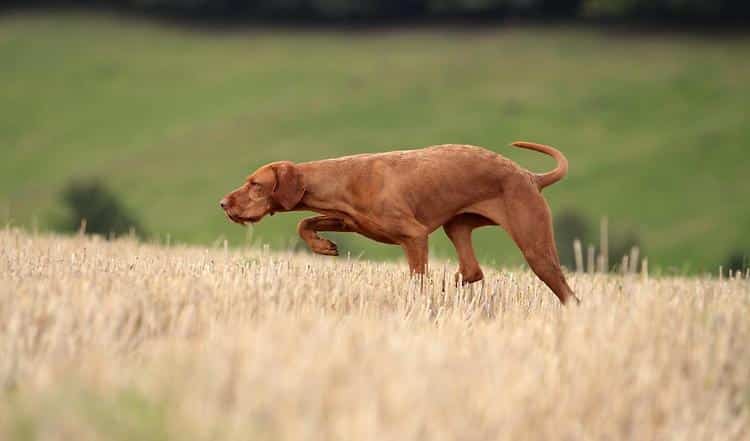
point(352, 10)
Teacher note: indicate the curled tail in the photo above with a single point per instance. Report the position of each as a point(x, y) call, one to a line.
point(546, 179)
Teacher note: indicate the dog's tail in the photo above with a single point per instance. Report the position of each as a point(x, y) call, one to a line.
point(555, 175)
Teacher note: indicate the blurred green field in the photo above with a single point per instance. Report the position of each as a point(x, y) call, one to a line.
point(656, 127)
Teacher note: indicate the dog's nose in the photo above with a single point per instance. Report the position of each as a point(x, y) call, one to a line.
point(223, 203)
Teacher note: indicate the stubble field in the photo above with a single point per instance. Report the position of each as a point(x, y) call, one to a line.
point(126, 340)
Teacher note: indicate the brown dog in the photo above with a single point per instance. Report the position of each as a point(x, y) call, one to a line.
point(401, 197)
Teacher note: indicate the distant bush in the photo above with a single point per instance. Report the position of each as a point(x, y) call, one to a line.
point(736, 261)
point(91, 201)
point(569, 226)
point(620, 244)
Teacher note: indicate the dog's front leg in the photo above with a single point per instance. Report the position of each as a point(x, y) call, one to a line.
point(308, 228)
point(416, 253)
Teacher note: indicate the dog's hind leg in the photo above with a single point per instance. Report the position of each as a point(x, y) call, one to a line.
point(530, 226)
point(459, 231)
point(525, 215)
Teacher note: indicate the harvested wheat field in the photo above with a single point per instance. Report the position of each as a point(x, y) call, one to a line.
point(125, 340)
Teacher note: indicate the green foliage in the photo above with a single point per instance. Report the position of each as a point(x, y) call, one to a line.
point(357, 9)
point(22, 426)
point(347, 9)
point(124, 414)
point(91, 200)
point(667, 8)
point(127, 415)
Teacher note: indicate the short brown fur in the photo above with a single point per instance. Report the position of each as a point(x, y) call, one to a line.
point(401, 197)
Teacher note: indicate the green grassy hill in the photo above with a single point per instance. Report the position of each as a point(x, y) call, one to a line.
point(656, 127)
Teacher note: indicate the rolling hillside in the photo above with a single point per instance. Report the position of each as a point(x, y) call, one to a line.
point(656, 127)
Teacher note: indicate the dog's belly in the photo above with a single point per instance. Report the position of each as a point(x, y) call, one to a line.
point(377, 237)
point(374, 231)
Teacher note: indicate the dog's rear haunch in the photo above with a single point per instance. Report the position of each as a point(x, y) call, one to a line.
point(401, 197)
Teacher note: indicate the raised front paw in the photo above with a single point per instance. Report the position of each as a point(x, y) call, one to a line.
point(325, 247)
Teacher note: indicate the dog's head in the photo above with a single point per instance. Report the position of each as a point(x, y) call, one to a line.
point(274, 187)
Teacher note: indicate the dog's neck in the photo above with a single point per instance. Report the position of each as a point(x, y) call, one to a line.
point(324, 188)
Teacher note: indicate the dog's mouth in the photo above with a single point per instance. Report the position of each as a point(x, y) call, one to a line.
point(243, 220)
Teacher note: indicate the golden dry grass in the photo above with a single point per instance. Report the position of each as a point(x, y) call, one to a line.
point(124, 340)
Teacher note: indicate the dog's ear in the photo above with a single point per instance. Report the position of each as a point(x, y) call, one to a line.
point(289, 188)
